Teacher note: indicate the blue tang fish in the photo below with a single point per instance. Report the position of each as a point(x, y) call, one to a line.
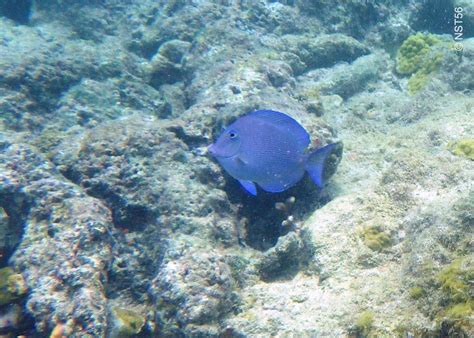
point(268, 148)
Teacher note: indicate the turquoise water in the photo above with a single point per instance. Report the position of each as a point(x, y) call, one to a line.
point(116, 221)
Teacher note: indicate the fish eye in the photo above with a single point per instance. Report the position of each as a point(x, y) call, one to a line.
point(232, 134)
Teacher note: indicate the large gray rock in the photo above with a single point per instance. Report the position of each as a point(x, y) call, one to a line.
point(66, 245)
point(168, 65)
point(193, 292)
point(455, 68)
point(39, 64)
point(324, 50)
point(158, 189)
point(344, 79)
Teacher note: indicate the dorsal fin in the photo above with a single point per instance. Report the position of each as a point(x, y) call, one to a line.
point(286, 123)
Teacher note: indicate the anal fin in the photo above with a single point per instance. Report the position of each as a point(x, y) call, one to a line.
point(249, 186)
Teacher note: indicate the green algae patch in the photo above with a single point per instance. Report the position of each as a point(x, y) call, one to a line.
point(12, 286)
point(127, 323)
point(416, 292)
point(460, 311)
point(365, 322)
point(375, 238)
point(464, 148)
point(456, 283)
point(419, 58)
point(460, 317)
point(455, 279)
point(461, 314)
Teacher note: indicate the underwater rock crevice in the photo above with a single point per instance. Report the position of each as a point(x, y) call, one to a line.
point(133, 217)
point(193, 141)
point(291, 254)
point(16, 206)
point(434, 16)
point(262, 231)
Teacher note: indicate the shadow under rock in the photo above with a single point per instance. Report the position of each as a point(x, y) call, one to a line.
point(263, 220)
point(17, 206)
point(17, 10)
point(434, 16)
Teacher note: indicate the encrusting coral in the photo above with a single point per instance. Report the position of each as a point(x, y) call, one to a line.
point(464, 147)
point(417, 57)
point(12, 285)
point(375, 237)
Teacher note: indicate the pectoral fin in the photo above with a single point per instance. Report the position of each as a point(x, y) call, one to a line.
point(241, 161)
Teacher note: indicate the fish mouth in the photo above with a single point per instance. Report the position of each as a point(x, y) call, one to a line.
point(211, 149)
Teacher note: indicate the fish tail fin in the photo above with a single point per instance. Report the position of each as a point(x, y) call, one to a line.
point(315, 163)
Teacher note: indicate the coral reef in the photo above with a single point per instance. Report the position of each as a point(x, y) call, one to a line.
point(120, 226)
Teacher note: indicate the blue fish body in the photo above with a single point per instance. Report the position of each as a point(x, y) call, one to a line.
point(268, 148)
